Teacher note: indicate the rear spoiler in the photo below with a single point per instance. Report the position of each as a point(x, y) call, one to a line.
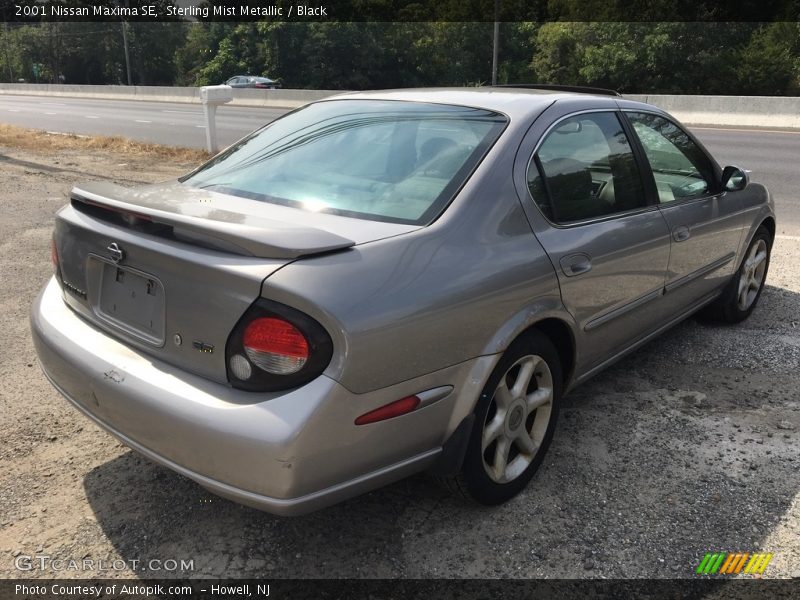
point(247, 235)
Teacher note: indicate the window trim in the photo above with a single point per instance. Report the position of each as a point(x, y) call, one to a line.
point(648, 193)
point(714, 191)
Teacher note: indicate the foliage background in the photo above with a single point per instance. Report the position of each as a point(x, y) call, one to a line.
point(742, 58)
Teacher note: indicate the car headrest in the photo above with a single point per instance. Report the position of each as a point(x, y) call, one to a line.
point(570, 184)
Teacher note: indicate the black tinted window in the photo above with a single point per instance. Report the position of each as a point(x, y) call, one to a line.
point(585, 169)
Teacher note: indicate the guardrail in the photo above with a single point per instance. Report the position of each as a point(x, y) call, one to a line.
point(191, 95)
point(731, 111)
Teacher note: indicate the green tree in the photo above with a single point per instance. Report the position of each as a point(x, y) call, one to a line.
point(770, 62)
point(457, 53)
point(200, 47)
point(674, 57)
point(557, 56)
point(240, 52)
point(517, 43)
point(153, 47)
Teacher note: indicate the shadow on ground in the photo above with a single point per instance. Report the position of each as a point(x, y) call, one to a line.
point(674, 452)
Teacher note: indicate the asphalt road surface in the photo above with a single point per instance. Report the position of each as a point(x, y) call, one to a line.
point(156, 122)
point(771, 155)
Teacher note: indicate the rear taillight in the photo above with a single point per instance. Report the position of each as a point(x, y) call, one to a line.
point(275, 347)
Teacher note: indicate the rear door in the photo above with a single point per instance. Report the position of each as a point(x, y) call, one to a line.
point(705, 224)
point(608, 243)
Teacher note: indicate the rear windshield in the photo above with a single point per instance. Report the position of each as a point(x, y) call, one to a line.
point(392, 161)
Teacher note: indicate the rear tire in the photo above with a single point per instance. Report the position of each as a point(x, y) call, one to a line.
point(514, 422)
point(741, 295)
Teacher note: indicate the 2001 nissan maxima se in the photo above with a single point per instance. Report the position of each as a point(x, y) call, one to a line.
point(383, 283)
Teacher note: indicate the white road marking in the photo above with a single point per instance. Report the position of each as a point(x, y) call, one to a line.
point(142, 121)
point(13, 110)
point(52, 104)
point(794, 238)
point(201, 126)
point(91, 117)
point(181, 112)
point(50, 113)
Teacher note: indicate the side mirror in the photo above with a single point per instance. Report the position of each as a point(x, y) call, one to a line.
point(734, 179)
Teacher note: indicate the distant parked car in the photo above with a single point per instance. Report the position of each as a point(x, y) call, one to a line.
point(251, 81)
point(382, 283)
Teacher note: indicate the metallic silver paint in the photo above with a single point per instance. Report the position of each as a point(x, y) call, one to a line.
point(410, 310)
point(185, 272)
point(270, 449)
point(237, 224)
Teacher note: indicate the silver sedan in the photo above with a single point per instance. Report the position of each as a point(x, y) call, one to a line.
point(379, 284)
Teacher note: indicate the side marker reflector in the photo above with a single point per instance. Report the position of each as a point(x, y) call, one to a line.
point(388, 411)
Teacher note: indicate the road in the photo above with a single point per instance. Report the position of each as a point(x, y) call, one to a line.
point(156, 122)
point(771, 155)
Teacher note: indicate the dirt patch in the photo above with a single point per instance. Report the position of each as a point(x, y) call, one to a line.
point(687, 447)
point(32, 140)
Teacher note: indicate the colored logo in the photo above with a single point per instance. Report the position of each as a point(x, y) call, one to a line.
point(733, 563)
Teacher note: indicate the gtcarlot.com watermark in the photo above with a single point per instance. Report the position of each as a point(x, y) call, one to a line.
point(56, 564)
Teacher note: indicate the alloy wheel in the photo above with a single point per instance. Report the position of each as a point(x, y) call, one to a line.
point(752, 276)
point(517, 419)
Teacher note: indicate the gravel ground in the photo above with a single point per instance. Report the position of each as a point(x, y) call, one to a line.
point(688, 446)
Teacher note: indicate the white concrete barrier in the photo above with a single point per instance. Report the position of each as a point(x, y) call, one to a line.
point(241, 97)
point(729, 111)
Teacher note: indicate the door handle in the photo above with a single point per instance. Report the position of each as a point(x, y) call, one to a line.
point(576, 264)
point(681, 234)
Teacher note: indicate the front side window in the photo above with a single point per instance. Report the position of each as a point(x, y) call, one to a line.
point(382, 160)
point(585, 169)
point(681, 169)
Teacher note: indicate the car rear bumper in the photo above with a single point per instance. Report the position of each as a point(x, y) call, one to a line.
point(284, 452)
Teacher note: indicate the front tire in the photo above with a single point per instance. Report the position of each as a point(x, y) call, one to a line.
point(742, 293)
point(514, 421)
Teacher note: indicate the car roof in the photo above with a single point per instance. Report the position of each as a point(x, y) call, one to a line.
point(515, 102)
point(259, 77)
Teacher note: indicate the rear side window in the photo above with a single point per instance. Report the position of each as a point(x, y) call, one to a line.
point(681, 169)
point(585, 169)
point(391, 161)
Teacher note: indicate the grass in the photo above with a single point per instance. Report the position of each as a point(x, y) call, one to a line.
point(44, 142)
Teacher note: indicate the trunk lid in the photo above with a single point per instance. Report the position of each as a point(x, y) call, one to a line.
point(170, 269)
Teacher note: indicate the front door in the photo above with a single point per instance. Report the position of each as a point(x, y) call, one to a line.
point(705, 224)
